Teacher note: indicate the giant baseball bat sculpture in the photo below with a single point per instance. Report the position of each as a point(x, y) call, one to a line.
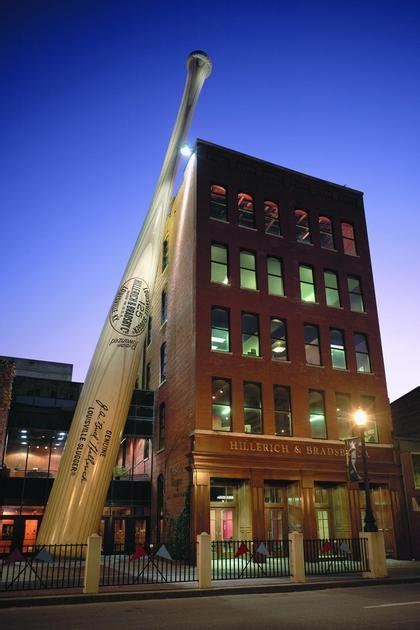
point(79, 491)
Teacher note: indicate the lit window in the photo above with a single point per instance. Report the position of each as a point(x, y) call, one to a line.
point(163, 366)
point(219, 264)
point(282, 410)
point(164, 307)
point(161, 437)
point(307, 284)
point(221, 407)
point(332, 293)
point(275, 276)
point(250, 335)
point(248, 270)
point(415, 458)
point(278, 340)
point(252, 408)
point(218, 203)
point(326, 233)
point(362, 353)
point(349, 241)
point(165, 254)
point(272, 220)
point(355, 294)
point(343, 416)
point(338, 352)
point(303, 231)
point(317, 414)
point(368, 405)
point(312, 350)
point(246, 216)
point(220, 329)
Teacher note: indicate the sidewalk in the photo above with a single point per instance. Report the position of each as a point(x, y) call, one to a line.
point(399, 572)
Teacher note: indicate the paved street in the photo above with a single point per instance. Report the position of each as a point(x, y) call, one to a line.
point(374, 607)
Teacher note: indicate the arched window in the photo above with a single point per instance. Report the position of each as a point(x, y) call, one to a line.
point(272, 218)
point(326, 232)
point(303, 231)
point(349, 240)
point(218, 203)
point(246, 216)
point(163, 362)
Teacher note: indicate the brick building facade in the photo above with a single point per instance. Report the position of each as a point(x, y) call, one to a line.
point(263, 341)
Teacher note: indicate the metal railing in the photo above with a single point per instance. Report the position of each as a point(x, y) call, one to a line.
point(42, 567)
point(148, 565)
point(335, 556)
point(241, 559)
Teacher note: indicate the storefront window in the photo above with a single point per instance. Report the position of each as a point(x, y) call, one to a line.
point(34, 452)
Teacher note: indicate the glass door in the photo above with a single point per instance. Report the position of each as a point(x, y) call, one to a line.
point(221, 524)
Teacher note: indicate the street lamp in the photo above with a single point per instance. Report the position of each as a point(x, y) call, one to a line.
point(361, 418)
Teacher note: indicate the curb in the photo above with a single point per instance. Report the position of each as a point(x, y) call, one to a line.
point(125, 596)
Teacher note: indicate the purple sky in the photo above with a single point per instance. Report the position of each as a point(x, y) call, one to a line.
point(88, 97)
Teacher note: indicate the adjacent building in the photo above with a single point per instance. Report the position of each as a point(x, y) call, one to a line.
point(38, 399)
point(263, 341)
point(406, 421)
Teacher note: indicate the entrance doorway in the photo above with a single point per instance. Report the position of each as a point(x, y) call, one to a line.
point(123, 533)
point(221, 524)
point(275, 523)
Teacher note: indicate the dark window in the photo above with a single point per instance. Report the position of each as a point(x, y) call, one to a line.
point(326, 232)
point(272, 218)
point(338, 351)
point(219, 264)
point(148, 375)
point(355, 294)
point(220, 329)
point(275, 276)
point(163, 362)
point(146, 449)
point(307, 284)
point(252, 408)
point(303, 231)
point(218, 203)
point(278, 339)
point(343, 417)
point(162, 413)
point(149, 330)
point(312, 349)
point(250, 335)
point(317, 414)
point(164, 307)
point(248, 270)
point(332, 293)
point(362, 353)
point(282, 410)
point(371, 431)
point(246, 215)
point(221, 404)
point(165, 254)
point(349, 241)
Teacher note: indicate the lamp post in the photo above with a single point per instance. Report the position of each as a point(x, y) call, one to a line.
point(360, 418)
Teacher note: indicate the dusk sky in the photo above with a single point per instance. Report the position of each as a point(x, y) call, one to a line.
point(89, 94)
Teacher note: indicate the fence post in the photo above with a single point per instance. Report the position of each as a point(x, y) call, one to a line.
point(296, 557)
point(92, 564)
point(376, 554)
point(204, 560)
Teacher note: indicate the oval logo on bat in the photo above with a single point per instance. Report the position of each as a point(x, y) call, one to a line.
point(130, 309)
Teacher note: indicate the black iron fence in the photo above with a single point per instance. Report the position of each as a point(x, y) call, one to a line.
point(148, 565)
point(42, 567)
point(335, 556)
point(240, 559)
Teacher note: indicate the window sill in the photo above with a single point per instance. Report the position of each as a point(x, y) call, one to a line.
point(163, 324)
point(274, 235)
point(329, 249)
point(246, 227)
point(277, 296)
point(221, 284)
point(162, 382)
point(366, 373)
point(219, 220)
point(223, 352)
point(276, 360)
point(252, 356)
point(314, 365)
point(160, 450)
point(305, 243)
point(246, 289)
point(310, 303)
